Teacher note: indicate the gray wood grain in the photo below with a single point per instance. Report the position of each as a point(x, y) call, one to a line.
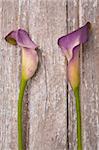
point(47, 91)
point(90, 77)
point(73, 23)
point(48, 125)
point(9, 72)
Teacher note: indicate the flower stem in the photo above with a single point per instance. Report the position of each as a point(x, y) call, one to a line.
point(78, 111)
point(20, 101)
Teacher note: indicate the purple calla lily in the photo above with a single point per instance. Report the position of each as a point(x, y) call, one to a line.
point(29, 55)
point(29, 65)
point(70, 46)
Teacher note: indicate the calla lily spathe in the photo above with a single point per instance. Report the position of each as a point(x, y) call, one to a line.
point(29, 65)
point(29, 55)
point(70, 46)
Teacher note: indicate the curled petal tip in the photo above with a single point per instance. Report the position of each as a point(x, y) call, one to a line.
point(89, 25)
point(11, 38)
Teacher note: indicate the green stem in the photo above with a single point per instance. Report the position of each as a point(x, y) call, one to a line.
point(78, 110)
point(20, 101)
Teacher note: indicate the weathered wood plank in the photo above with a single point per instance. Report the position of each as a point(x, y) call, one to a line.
point(90, 76)
point(13, 15)
point(47, 90)
point(73, 23)
point(9, 67)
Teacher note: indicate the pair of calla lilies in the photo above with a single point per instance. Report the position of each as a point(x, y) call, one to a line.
point(70, 46)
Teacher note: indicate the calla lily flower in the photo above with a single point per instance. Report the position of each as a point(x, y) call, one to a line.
point(29, 54)
point(29, 65)
point(70, 46)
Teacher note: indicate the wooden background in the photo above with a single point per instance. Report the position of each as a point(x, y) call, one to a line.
point(49, 104)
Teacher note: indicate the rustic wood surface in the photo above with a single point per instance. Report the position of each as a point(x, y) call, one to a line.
point(49, 116)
